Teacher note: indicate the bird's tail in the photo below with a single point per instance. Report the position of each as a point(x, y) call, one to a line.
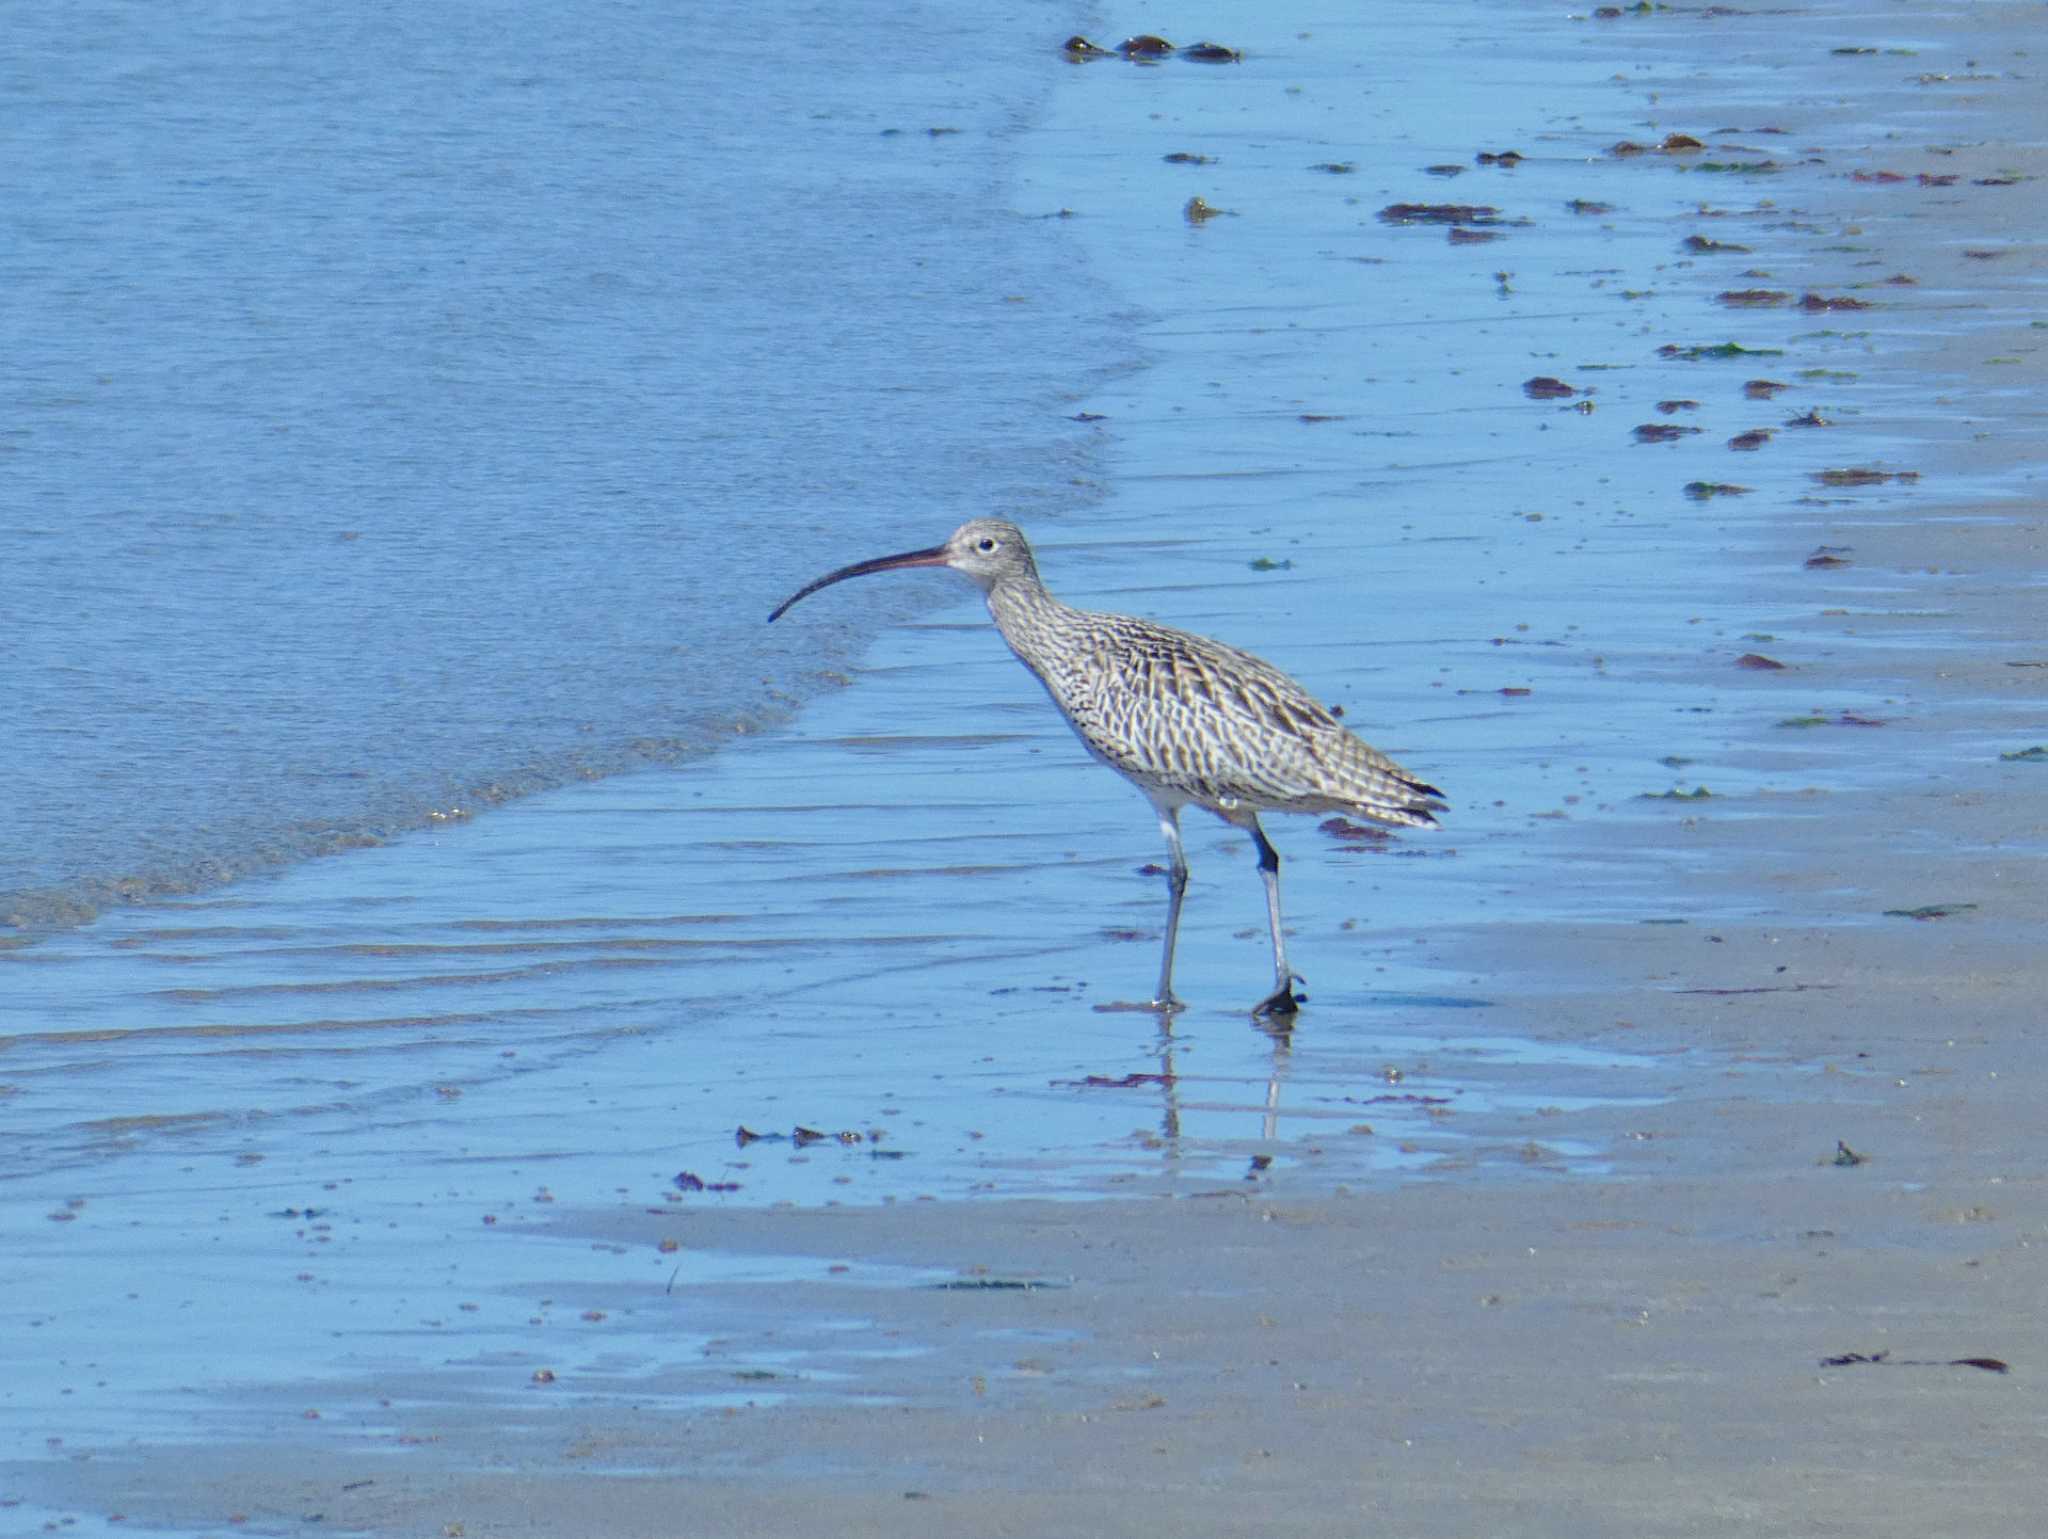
point(1392, 795)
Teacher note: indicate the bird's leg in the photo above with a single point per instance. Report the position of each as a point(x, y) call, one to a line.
point(1176, 889)
point(1282, 1000)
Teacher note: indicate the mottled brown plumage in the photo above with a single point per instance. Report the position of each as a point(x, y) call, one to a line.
point(1185, 719)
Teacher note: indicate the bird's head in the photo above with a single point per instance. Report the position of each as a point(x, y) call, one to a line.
point(989, 551)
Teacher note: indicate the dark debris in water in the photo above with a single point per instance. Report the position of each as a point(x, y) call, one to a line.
point(1714, 351)
point(803, 1137)
point(1862, 475)
point(1670, 144)
point(1545, 388)
point(1768, 988)
point(1928, 911)
point(1886, 1360)
point(1132, 1081)
point(1439, 213)
point(1353, 833)
point(1700, 491)
point(2038, 754)
point(1839, 719)
point(1147, 48)
point(690, 1181)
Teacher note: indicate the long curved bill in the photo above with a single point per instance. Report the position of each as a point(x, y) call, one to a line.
point(936, 556)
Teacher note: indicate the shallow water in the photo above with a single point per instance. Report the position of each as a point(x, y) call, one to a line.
point(322, 1120)
point(411, 412)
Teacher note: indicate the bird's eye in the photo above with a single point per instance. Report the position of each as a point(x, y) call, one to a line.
point(986, 545)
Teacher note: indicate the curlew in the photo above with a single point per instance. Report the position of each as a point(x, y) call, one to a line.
point(1187, 720)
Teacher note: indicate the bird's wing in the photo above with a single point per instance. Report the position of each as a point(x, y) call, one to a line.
point(1221, 725)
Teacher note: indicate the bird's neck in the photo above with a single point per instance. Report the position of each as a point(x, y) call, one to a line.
point(1022, 605)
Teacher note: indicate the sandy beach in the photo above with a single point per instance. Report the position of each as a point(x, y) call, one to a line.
point(1781, 1273)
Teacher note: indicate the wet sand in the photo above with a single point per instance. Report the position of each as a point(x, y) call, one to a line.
point(1826, 1142)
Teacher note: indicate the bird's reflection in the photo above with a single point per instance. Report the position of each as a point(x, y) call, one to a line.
point(1281, 1037)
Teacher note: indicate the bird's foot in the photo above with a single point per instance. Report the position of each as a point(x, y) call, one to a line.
point(1282, 1002)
